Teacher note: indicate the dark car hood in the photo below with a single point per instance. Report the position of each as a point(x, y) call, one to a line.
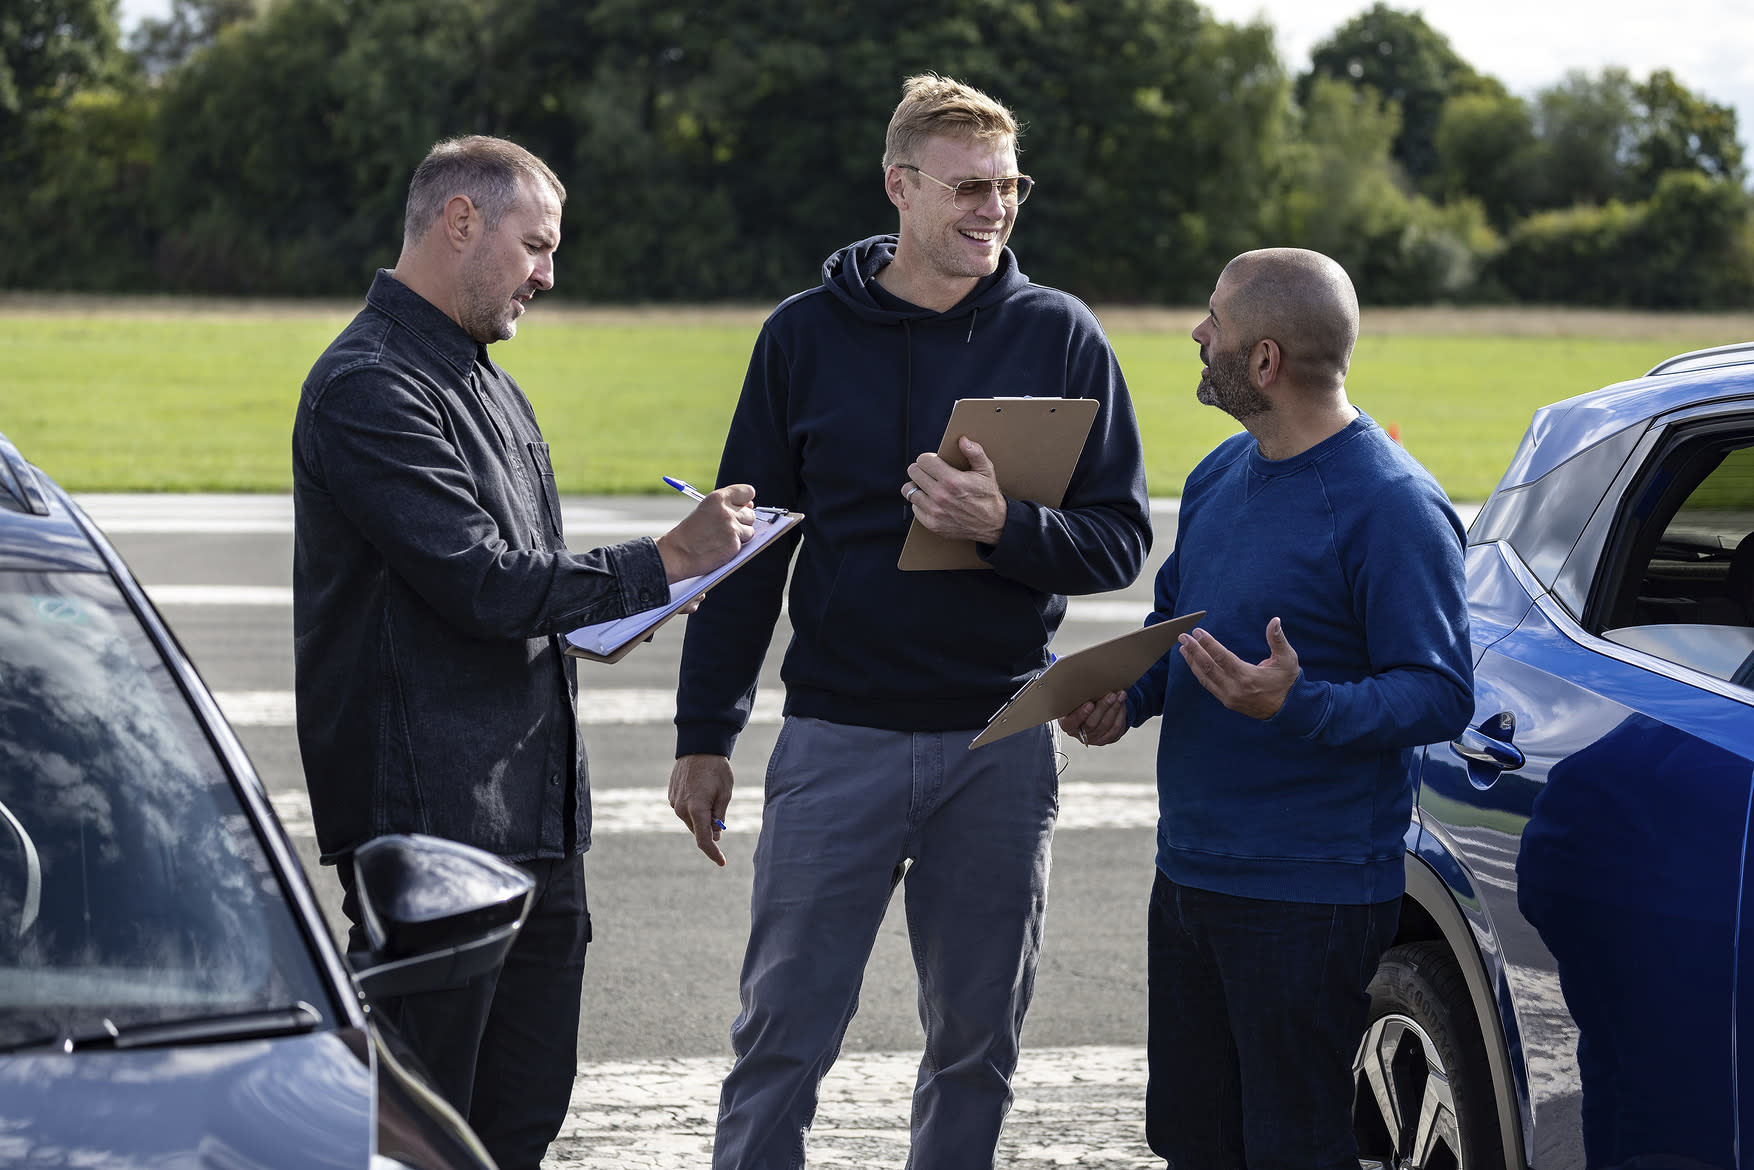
point(303, 1101)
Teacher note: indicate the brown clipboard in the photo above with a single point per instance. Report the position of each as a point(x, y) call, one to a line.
point(1034, 444)
point(646, 623)
point(1088, 674)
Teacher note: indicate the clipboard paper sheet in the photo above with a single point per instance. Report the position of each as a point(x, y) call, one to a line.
point(1034, 444)
point(611, 641)
point(1088, 674)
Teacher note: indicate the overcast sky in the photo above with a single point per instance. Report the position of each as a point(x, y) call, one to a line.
point(1527, 44)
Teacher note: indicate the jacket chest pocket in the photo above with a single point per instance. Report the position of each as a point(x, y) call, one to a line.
point(550, 494)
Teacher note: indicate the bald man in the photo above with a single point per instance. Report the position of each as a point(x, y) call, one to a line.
point(1335, 642)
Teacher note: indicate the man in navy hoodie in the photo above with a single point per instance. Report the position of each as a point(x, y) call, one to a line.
point(1329, 564)
point(890, 674)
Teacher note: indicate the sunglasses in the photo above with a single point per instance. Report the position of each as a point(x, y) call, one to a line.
point(972, 193)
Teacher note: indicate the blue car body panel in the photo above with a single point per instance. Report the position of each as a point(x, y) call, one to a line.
point(1603, 876)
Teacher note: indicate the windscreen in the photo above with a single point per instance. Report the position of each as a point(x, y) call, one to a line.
point(133, 887)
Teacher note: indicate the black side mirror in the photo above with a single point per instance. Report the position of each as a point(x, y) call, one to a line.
point(437, 913)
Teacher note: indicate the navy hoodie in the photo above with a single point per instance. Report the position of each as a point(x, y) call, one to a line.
point(847, 386)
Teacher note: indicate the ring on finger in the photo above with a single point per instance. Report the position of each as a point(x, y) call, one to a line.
point(908, 495)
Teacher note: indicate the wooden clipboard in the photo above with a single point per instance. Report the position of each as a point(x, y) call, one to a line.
point(1034, 444)
point(1088, 674)
point(638, 628)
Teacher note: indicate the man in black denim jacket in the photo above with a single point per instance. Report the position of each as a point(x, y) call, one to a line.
point(431, 594)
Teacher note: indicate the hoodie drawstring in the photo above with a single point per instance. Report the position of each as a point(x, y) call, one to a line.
point(972, 318)
point(907, 409)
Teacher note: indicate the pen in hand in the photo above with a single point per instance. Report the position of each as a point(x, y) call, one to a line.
point(693, 493)
point(684, 487)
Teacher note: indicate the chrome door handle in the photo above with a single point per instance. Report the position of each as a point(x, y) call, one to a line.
point(1477, 747)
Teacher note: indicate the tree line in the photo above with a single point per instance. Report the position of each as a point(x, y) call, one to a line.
point(720, 149)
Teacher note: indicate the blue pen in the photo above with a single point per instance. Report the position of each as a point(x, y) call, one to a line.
point(693, 493)
point(718, 824)
point(684, 487)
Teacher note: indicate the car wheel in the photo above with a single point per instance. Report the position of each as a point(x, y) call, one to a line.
point(1423, 1098)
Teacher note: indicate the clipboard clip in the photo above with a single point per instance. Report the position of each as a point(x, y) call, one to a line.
point(1029, 682)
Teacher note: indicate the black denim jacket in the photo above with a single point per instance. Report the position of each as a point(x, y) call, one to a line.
point(431, 587)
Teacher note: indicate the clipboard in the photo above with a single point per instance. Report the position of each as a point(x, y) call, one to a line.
point(1090, 673)
point(1034, 444)
point(613, 640)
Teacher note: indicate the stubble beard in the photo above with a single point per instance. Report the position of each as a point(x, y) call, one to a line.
point(1227, 386)
point(483, 312)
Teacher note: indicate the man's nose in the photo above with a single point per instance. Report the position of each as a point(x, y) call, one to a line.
point(543, 276)
point(991, 205)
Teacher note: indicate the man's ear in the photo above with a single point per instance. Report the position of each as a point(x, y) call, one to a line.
point(1266, 363)
point(895, 186)
point(461, 221)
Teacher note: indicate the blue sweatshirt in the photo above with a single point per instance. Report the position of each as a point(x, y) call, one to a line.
point(1355, 548)
point(846, 387)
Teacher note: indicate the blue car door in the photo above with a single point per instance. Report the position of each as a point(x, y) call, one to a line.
point(1601, 854)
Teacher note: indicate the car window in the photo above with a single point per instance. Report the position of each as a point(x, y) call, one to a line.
point(1687, 594)
point(133, 887)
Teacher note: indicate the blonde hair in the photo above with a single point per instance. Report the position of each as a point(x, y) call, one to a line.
point(933, 106)
point(487, 170)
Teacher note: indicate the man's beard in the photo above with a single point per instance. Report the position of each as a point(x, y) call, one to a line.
point(1227, 386)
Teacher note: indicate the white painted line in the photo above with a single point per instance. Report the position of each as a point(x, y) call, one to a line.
point(609, 706)
point(1083, 805)
point(1079, 1106)
point(221, 595)
point(1077, 609)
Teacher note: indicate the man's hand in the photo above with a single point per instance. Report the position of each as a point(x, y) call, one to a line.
point(1098, 722)
point(700, 792)
point(962, 505)
point(1257, 691)
point(710, 535)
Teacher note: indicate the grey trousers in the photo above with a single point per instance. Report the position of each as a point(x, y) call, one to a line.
point(850, 810)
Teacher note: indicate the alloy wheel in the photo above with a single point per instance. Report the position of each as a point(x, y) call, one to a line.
point(1405, 1111)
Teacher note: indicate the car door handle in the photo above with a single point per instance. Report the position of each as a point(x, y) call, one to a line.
point(1477, 747)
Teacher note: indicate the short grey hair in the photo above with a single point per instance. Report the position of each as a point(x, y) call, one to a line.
point(487, 170)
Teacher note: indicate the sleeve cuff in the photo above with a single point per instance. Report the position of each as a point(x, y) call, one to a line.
point(639, 571)
point(1305, 707)
point(704, 740)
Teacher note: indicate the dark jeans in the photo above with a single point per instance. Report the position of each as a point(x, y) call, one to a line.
point(1256, 1011)
point(503, 1048)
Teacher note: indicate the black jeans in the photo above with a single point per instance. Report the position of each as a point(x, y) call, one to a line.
point(503, 1048)
point(1256, 1011)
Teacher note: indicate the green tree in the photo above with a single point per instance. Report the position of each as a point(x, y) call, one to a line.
point(1692, 245)
point(49, 51)
point(159, 44)
point(1588, 134)
point(1677, 130)
point(1341, 195)
point(1407, 62)
point(1486, 149)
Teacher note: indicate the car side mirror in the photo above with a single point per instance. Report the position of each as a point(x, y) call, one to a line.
point(437, 913)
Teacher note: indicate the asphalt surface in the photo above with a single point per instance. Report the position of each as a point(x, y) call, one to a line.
point(660, 987)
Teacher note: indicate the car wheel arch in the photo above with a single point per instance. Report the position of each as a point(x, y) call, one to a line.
point(1429, 913)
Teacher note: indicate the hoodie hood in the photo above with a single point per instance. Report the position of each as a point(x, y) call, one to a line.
point(850, 275)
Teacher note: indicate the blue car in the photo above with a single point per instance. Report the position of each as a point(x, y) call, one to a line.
point(1569, 986)
point(169, 992)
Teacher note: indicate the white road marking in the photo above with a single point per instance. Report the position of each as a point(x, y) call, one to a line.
point(1079, 1107)
point(1083, 805)
point(1078, 609)
point(648, 706)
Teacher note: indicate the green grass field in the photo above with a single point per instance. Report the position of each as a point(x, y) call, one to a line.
point(198, 396)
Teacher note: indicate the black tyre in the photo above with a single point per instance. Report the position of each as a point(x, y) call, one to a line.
point(1424, 1096)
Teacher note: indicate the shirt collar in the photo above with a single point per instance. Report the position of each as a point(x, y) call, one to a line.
point(425, 320)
